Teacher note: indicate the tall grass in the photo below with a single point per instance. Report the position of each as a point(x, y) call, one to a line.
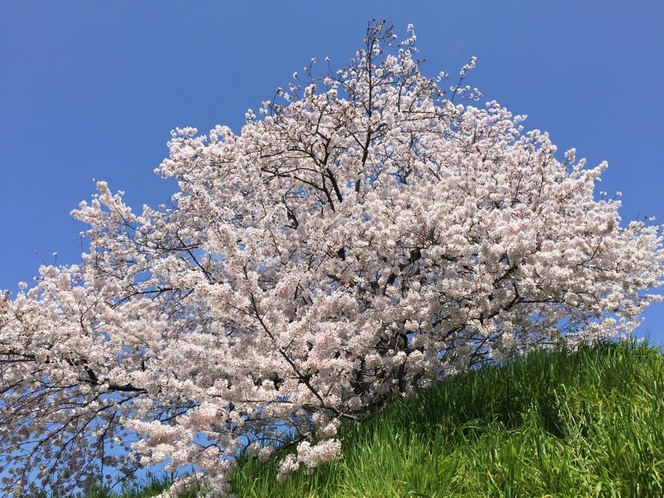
point(588, 423)
point(560, 424)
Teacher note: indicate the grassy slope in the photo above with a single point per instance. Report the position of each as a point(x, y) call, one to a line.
point(589, 423)
point(584, 424)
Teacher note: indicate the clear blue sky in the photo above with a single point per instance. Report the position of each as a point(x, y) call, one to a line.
point(91, 89)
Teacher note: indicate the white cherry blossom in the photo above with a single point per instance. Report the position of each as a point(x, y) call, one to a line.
point(369, 234)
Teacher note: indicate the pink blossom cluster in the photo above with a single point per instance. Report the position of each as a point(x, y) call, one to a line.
point(369, 234)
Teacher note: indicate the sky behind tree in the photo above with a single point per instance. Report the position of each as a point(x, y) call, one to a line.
point(91, 90)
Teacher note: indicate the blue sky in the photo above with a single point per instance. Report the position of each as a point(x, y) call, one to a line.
point(91, 89)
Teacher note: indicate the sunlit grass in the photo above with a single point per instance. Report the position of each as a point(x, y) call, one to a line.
point(589, 423)
point(561, 424)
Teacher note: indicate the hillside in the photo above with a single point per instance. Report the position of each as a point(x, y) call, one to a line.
point(588, 423)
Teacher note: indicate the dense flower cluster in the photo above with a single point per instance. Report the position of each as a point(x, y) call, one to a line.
point(369, 234)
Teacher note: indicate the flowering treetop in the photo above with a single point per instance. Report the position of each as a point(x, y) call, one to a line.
point(368, 234)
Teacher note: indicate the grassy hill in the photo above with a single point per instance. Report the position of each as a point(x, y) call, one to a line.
point(561, 424)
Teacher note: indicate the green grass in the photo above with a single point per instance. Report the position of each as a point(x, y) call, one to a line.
point(562, 424)
point(589, 423)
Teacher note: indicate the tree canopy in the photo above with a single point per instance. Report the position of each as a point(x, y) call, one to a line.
point(369, 232)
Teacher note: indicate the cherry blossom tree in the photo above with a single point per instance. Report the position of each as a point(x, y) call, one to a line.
point(368, 233)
